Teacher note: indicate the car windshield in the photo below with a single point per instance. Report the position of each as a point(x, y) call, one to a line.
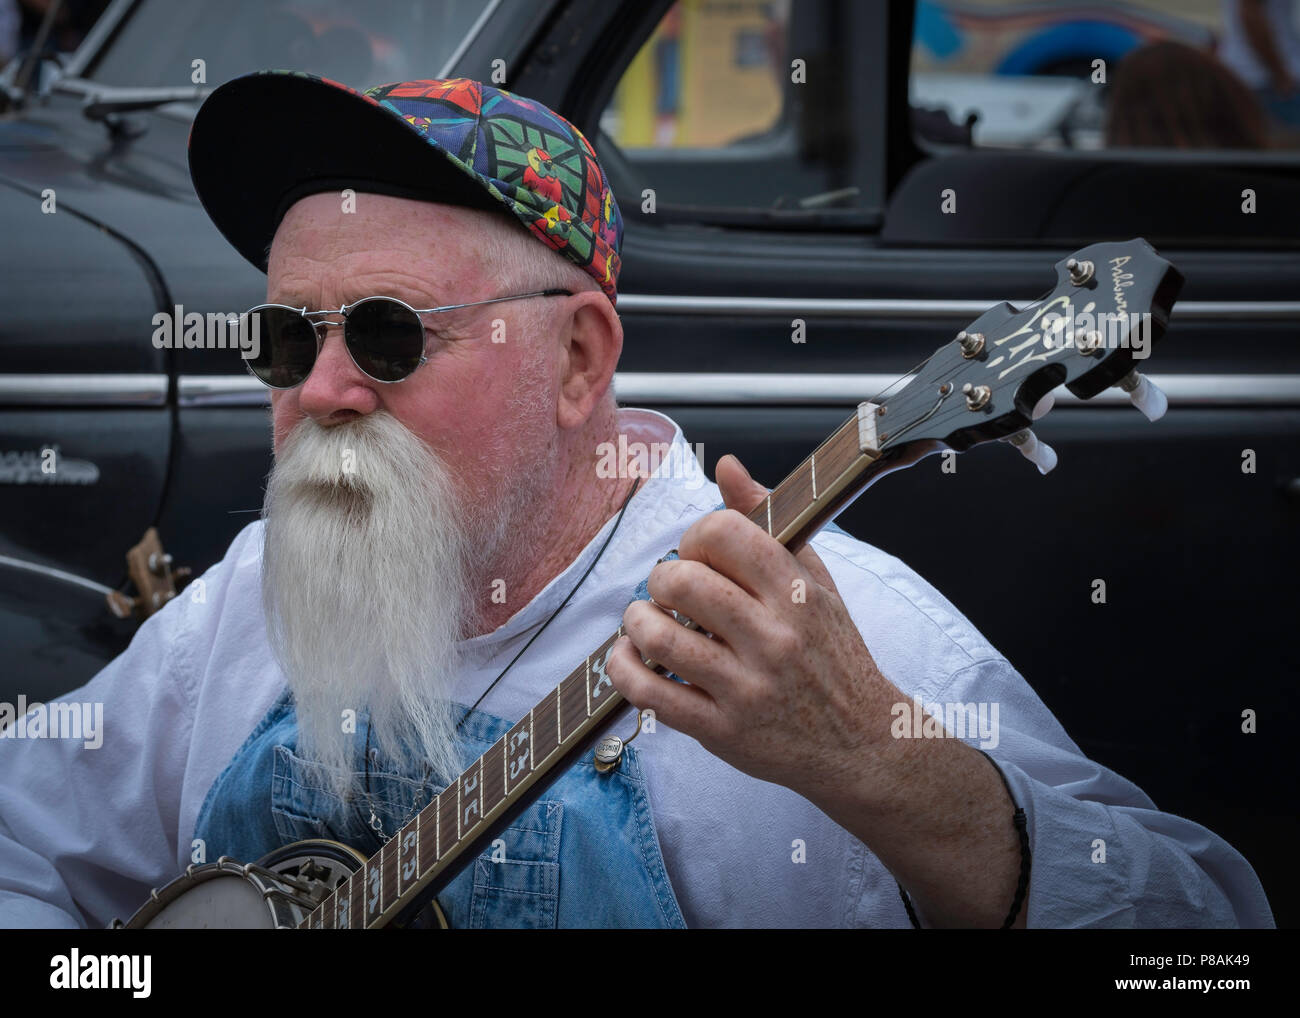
point(381, 41)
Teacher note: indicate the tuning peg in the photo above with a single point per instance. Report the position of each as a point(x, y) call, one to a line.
point(1144, 394)
point(1040, 454)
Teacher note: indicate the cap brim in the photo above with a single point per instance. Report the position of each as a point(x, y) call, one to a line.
point(262, 141)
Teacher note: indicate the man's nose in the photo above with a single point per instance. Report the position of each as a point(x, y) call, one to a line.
point(336, 385)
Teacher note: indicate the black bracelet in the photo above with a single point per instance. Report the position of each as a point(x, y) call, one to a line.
point(1022, 885)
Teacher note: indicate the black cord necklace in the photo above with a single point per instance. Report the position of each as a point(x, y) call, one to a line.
point(374, 820)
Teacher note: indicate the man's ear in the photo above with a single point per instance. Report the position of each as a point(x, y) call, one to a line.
point(591, 343)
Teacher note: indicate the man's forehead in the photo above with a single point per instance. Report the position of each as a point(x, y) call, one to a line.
point(359, 215)
point(365, 240)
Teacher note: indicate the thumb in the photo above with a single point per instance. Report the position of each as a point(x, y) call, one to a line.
point(739, 491)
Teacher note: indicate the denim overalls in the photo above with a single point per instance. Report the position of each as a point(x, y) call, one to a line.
point(584, 854)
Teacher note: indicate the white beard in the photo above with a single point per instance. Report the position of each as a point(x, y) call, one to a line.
point(368, 573)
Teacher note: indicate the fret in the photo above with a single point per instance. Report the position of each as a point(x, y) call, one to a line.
point(356, 899)
point(494, 773)
point(532, 743)
point(571, 706)
point(469, 787)
point(447, 811)
point(547, 731)
point(343, 905)
point(519, 752)
point(812, 467)
point(587, 684)
point(769, 514)
point(408, 856)
point(373, 875)
point(458, 809)
point(428, 846)
point(388, 854)
point(603, 684)
point(559, 715)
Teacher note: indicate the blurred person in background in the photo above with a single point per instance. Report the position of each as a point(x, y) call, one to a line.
point(1261, 45)
point(1169, 95)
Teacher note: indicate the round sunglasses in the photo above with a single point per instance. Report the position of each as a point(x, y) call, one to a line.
point(384, 336)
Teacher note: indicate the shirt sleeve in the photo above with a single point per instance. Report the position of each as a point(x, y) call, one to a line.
point(86, 831)
point(1102, 854)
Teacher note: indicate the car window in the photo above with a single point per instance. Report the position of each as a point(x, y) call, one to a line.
point(742, 105)
point(360, 45)
point(1058, 124)
point(1148, 74)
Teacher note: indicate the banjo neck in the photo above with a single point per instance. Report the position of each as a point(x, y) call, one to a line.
point(424, 855)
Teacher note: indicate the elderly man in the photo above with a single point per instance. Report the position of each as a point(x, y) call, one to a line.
point(444, 541)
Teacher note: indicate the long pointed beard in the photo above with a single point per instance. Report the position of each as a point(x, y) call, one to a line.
point(367, 569)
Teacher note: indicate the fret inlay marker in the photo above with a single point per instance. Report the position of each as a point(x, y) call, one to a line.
point(814, 475)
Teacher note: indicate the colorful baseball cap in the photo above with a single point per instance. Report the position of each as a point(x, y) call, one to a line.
point(261, 142)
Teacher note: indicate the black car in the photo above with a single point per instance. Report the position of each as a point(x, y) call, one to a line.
point(799, 235)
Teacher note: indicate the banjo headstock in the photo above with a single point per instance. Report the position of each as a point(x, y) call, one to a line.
point(1110, 304)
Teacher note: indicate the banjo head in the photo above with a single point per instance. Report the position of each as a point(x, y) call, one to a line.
point(217, 896)
point(277, 892)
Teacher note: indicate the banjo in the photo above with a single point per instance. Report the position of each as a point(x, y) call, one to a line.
point(1111, 301)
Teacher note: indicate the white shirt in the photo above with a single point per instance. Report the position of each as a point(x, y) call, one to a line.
point(85, 833)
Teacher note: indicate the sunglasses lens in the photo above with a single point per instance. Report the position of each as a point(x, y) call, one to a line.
point(385, 337)
point(286, 349)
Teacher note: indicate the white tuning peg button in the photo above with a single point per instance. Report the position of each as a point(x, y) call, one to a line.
point(1040, 454)
point(1144, 394)
point(1043, 406)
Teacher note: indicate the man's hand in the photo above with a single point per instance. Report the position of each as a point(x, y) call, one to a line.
point(785, 690)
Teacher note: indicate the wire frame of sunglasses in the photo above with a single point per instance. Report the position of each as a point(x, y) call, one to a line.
point(385, 337)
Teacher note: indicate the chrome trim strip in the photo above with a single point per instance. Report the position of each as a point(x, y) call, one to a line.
point(778, 389)
point(706, 388)
point(842, 390)
point(222, 390)
point(83, 390)
point(470, 36)
point(55, 574)
point(888, 307)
